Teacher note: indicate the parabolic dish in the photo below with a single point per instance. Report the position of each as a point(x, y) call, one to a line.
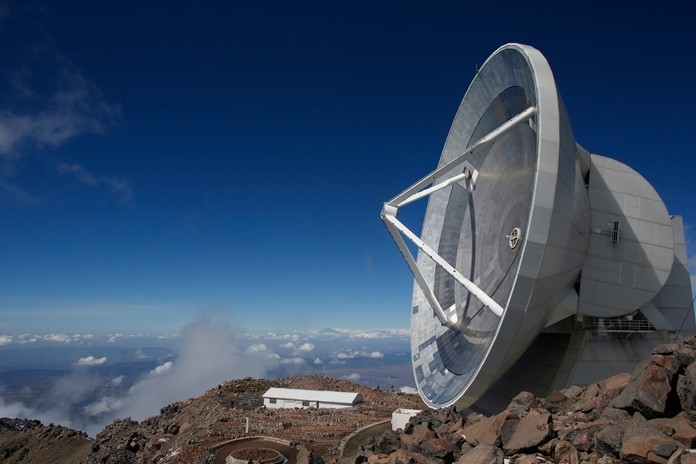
point(493, 257)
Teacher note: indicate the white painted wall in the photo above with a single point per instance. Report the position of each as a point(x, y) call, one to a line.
point(400, 418)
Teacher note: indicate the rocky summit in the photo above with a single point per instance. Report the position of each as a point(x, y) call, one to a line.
point(644, 417)
point(648, 416)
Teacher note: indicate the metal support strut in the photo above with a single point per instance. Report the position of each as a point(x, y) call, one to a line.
point(425, 187)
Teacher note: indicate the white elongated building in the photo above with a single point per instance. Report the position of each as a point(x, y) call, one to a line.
point(540, 264)
point(297, 398)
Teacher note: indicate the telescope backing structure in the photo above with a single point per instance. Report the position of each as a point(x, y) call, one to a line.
point(540, 265)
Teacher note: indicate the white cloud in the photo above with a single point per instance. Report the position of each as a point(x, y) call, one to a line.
point(261, 348)
point(113, 338)
point(79, 172)
point(352, 354)
point(105, 405)
point(208, 355)
point(49, 103)
point(6, 339)
point(73, 106)
point(409, 390)
point(376, 334)
point(288, 346)
point(91, 361)
point(354, 377)
point(119, 186)
point(58, 338)
point(22, 411)
point(256, 347)
point(161, 369)
point(306, 347)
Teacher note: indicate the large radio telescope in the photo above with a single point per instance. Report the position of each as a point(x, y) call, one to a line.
point(531, 244)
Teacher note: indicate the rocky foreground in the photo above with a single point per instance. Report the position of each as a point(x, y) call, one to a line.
point(648, 416)
point(29, 441)
point(645, 417)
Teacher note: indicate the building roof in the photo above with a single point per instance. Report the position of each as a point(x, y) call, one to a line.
point(314, 395)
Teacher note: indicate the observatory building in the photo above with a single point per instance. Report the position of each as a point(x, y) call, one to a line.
point(275, 398)
point(540, 264)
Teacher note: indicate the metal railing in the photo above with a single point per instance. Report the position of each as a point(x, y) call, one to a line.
point(606, 325)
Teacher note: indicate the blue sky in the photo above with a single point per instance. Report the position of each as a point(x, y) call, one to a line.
point(156, 162)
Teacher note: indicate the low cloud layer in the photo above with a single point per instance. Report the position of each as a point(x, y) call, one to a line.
point(351, 354)
point(209, 354)
point(91, 361)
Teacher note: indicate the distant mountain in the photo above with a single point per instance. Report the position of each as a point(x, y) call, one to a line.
point(329, 330)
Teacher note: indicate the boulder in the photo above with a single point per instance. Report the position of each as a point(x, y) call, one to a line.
point(666, 348)
point(388, 442)
point(646, 392)
point(686, 390)
point(445, 420)
point(609, 439)
point(685, 355)
point(485, 431)
point(522, 403)
point(556, 397)
point(668, 362)
point(614, 385)
point(438, 448)
point(482, 454)
point(573, 391)
point(582, 436)
point(679, 428)
point(645, 443)
point(524, 433)
point(690, 341)
point(419, 434)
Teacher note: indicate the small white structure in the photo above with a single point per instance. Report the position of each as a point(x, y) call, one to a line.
point(295, 398)
point(401, 416)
